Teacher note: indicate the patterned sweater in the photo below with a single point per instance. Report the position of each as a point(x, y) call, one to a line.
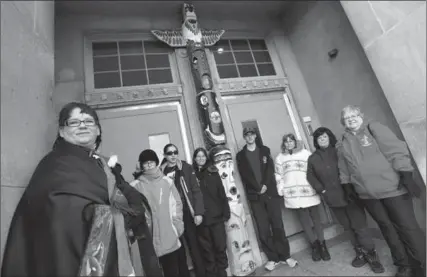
point(292, 181)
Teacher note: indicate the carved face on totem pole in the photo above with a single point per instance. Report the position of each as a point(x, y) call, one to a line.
point(221, 156)
point(190, 26)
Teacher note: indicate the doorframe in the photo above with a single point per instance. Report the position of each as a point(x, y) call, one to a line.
point(162, 106)
point(297, 124)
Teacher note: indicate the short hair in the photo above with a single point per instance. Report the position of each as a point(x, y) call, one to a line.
point(350, 108)
point(323, 130)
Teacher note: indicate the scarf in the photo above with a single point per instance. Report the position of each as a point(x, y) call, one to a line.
point(101, 232)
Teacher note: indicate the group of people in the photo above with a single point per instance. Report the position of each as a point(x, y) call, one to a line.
point(171, 206)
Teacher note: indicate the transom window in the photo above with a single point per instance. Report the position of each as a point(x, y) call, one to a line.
point(243, 58)
point(130, 63)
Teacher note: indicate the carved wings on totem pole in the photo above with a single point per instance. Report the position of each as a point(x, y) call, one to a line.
point(190, 31)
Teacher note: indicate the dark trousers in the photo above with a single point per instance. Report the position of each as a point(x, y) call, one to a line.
point(149, 260)
point(308, 215)
point(190, 235)
point(353, 218)
point(213, 242)
point(175, 263)
point(267, 212)
point(396, 218)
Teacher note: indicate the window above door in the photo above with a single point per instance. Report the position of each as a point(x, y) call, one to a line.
point(114, 62)
point(242, 58)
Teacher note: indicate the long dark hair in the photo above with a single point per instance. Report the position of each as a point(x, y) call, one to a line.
point(200, 149)
point(65, 113)
point(323, 130)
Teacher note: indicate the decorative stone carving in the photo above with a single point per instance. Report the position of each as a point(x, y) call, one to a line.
point(251, 86)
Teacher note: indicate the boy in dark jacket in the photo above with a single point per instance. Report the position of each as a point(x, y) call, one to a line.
point(256, 168)
point(211, 233)
point(323, 176)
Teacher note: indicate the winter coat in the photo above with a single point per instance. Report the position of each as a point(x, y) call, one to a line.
point(247, 175)
point(166, 207)
point(51, 225)
point(188, 187)
point(371, 162)
point(292, 181)
point(216, 202)
point(323, 175)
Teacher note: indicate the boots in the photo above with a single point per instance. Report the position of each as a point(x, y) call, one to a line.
point(404, 271)
point(359, 260)
point(324, 253)
point(373, 260)
point(315, 251)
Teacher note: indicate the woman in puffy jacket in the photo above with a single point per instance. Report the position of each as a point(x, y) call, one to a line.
point(291, 167)
point(166, 207)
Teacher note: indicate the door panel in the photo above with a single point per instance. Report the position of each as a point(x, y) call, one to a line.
point(273, 120)
point(126, 132)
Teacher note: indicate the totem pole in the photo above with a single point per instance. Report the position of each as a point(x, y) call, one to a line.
point(240, 254)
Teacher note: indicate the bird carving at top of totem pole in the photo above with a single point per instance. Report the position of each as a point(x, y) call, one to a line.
point(190, 31)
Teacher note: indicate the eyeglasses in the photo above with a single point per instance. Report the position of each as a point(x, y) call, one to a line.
point(77, 122)
point(149, 162)
point(170, 153)
point(354, 116)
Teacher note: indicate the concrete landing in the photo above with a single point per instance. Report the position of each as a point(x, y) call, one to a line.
point(342, 254)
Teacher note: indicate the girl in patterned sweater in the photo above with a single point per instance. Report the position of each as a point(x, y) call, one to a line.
point(298, 194)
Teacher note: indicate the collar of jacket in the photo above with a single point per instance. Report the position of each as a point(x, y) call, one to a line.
point(178, 164)
point(80, 151)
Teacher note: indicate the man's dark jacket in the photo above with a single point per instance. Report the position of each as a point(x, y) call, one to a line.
point(253, 188)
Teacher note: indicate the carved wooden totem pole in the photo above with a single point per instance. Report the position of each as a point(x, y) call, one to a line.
point(240, 254)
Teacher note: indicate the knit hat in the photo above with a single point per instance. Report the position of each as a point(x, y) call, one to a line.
point(148, 155)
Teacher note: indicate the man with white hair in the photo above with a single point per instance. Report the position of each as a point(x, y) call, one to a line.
point(378, 166)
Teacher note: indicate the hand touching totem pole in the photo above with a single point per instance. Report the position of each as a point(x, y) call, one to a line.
point(240, 253)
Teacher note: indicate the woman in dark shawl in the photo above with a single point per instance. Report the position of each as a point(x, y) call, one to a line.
point(52, 231)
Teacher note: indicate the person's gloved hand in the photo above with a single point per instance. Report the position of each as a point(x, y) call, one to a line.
point(407, 181)
point(349, 193)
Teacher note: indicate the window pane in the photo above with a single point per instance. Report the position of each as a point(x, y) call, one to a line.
point(107, 80)
point(239, 44)
point(262, 57)
point(224, 58)
point(104, 48)
point(156, 61)
point(227, 71)
point(160, 76)
point(156, 47)
point(258, 44)
point(130, 47)
point(134, 78)
point(132, 62)
point(105, 64)
point(266, 69)
point(222, 44)
point(243, 57)
point(247, 70)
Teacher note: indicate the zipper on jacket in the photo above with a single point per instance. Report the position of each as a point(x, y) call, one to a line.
point(161, 196)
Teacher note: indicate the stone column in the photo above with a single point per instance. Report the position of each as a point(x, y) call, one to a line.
point(28, 120)
point(393, 35)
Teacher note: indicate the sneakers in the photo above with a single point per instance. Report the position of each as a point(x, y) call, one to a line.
point(324, 253)
point(374, 261)
point(359, 260)
point(270, 265)
point(315, 251)
point(291, 262)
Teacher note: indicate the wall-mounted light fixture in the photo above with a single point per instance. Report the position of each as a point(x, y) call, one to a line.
point(333, 53)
